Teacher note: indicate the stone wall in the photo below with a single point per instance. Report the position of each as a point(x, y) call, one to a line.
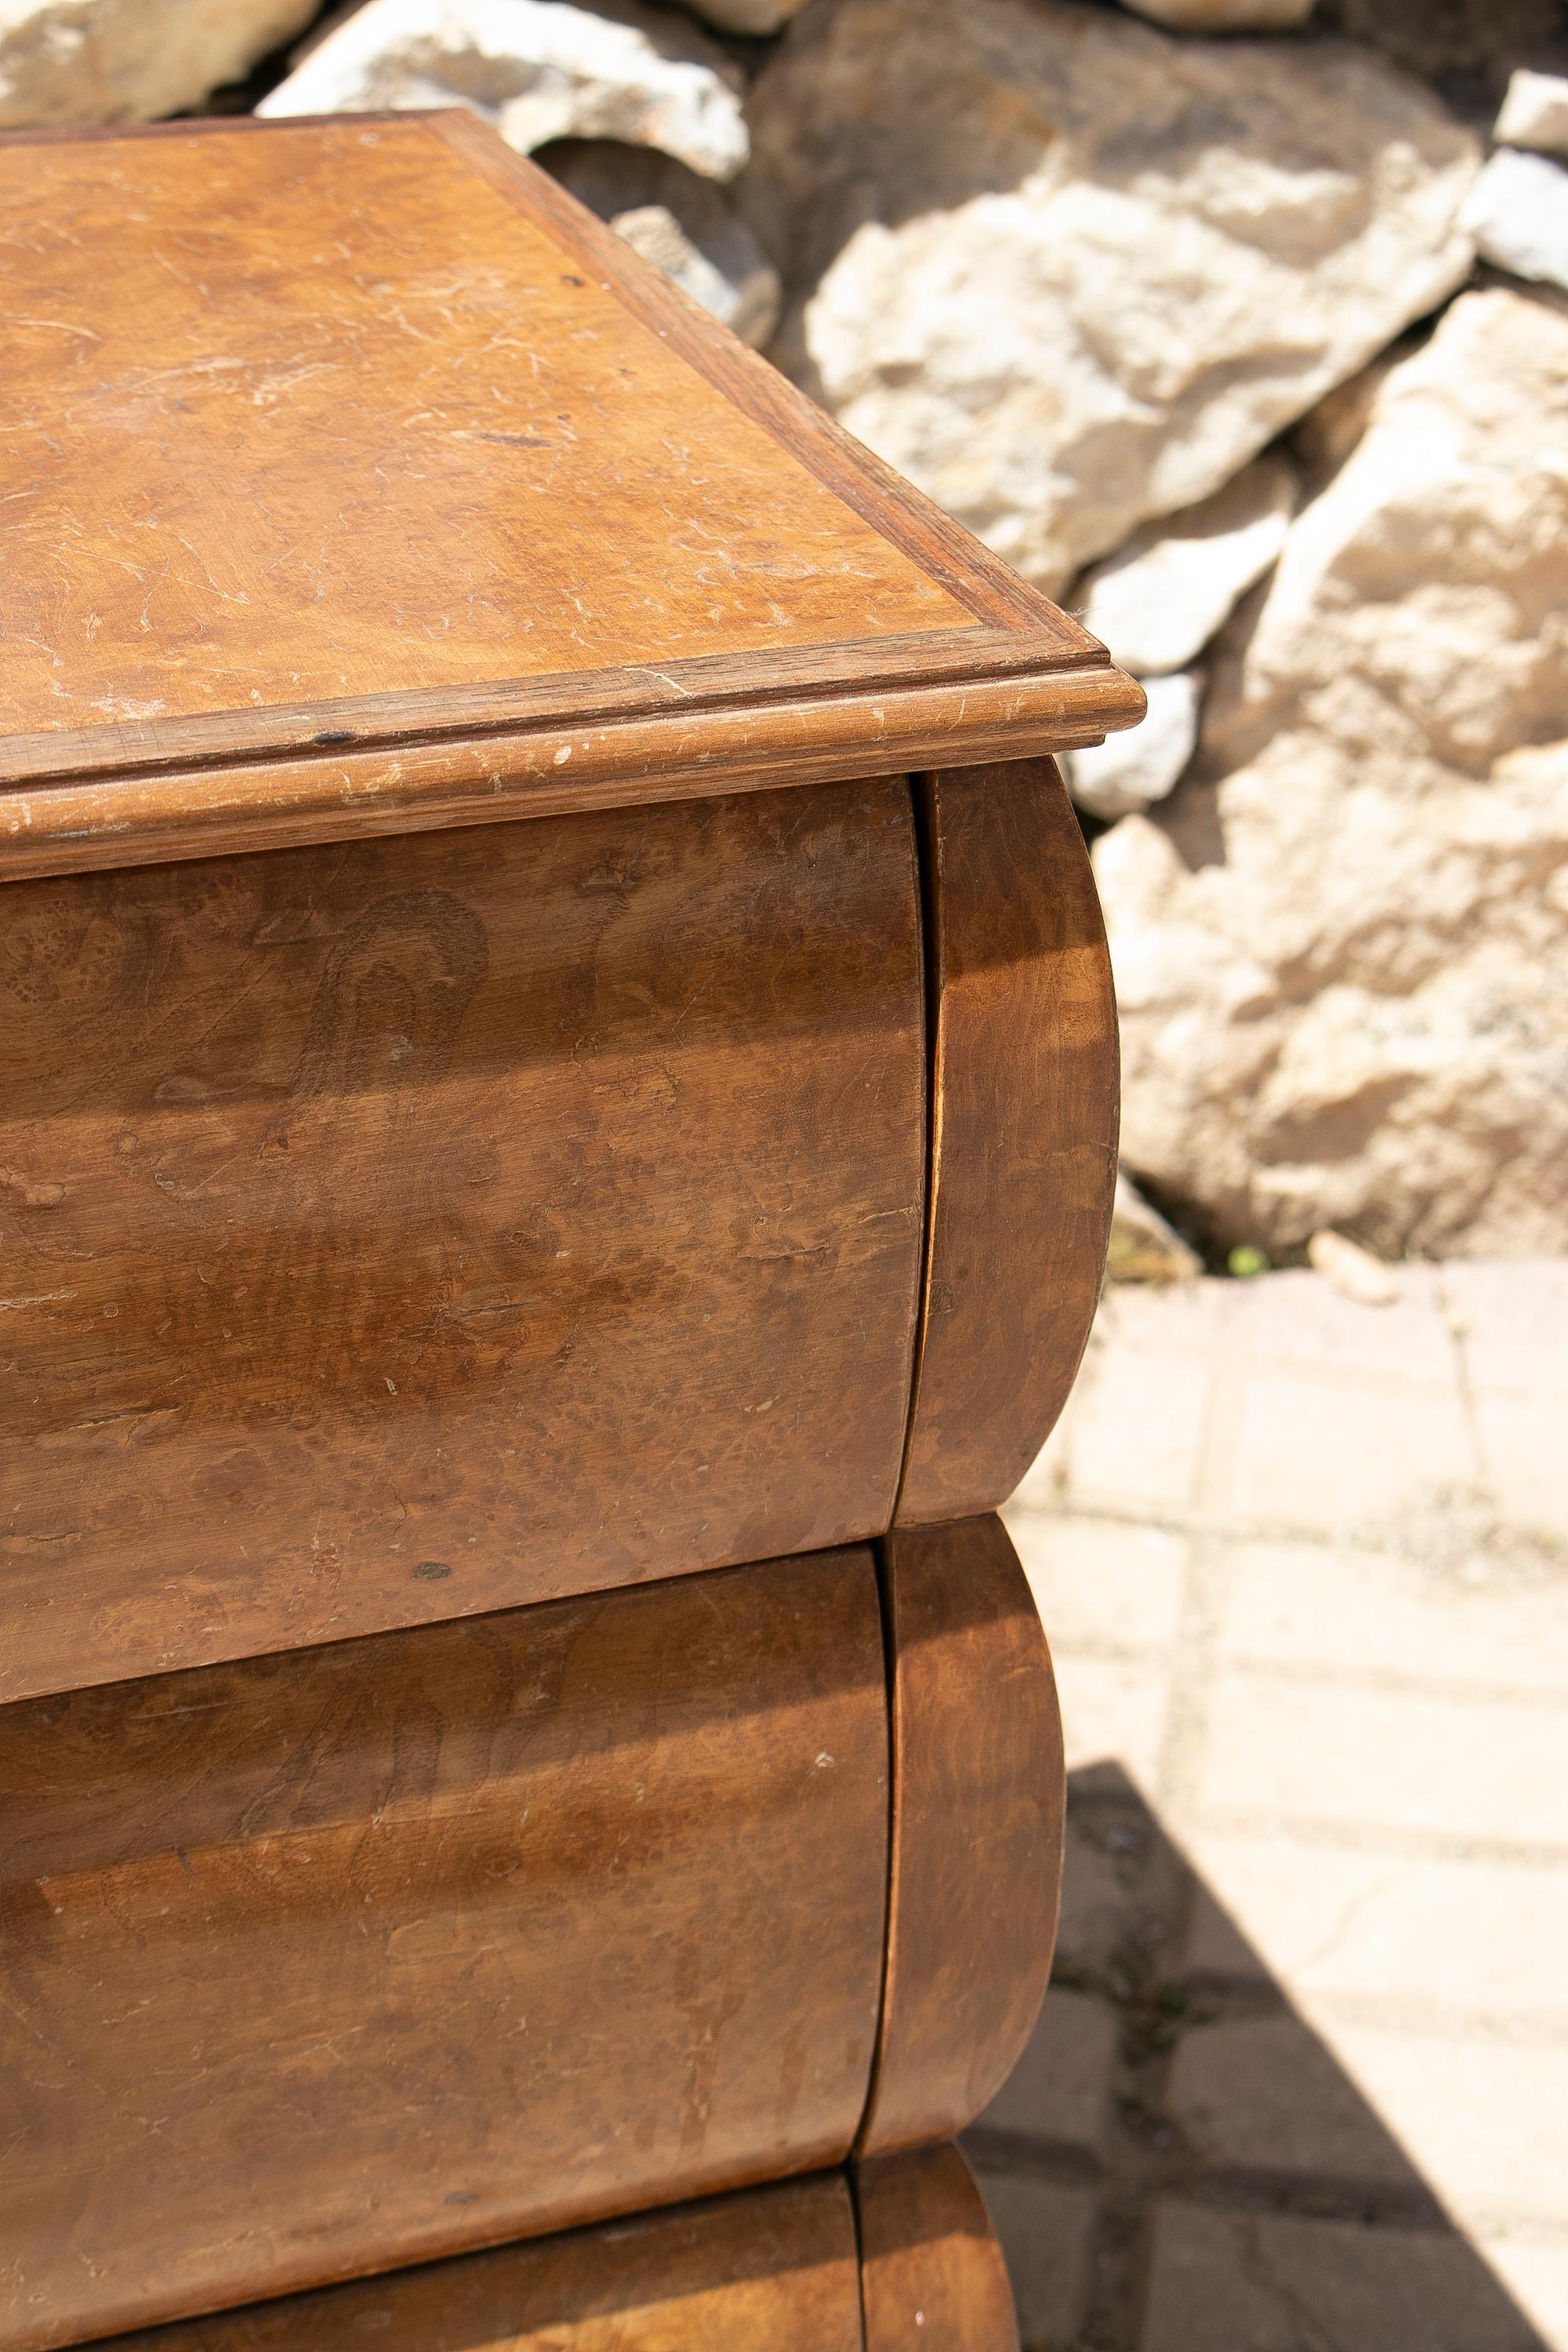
point(1241, 332)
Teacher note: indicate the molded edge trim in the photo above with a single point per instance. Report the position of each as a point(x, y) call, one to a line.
point(548, 770)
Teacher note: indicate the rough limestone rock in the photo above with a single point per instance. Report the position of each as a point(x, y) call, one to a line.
point(537, 70)
point(1069, 272)
point(1225, 16)
point(1158, 601)
point(1342, 948)
point(1143, 1247)
point(63, 61)
point(1534, 113)
point(748, 15)
point(1518, 214)
point(681, 223)
point(1133, 771)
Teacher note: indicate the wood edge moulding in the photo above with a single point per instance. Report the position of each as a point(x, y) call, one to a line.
point(1026, 679)
point(152, 818)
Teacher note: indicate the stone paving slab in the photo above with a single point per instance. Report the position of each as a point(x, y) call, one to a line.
point(1304, 1565)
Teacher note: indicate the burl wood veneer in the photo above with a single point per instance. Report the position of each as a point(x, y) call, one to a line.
point(555, 1041)
point(899, 2254)
point(342, 1959)
point(444, 1213)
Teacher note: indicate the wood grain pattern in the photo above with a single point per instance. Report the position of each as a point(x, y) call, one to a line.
point(978, 1796)
point(1025, 1106)
point(932, 2275)
point(359, 479)
point(368, 1954)
point(767, 2269)
point(427, 1226)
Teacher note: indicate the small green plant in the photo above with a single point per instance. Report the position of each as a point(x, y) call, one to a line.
point(1246, 1259)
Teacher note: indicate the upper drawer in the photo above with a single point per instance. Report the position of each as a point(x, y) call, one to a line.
point(423, 1225)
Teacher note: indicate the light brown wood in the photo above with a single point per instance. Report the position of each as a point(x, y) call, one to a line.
point(368, 1954)
point(427, 1226)
point(932, 2275)
point(781, 2269)
point(978, 1797)
point(358, 480)
point(1025, 1094)
point(767, 2269)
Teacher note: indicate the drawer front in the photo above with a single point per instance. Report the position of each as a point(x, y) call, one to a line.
point(326, 1962)
point(429, 1225)
point(834, 2263)
point(321, 1963)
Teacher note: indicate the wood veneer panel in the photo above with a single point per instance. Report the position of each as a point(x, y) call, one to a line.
point(978, 1798)
point(358, 479)
point(1024, 1104)
point(365, 1955)
point(932, 2275)
point(446, 1223)
point(766, 2270)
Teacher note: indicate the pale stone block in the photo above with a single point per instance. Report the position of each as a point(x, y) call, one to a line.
point(1535, 2272)
point(1156, 603)
point(1060, 2092)
point(1264, 2096)
point(1135, 1442)
point(1340, 1928)
point(1486, 2119)
point(1463, 1621)
point(1101, 1583)
point(1512, 1316)
point(1274, 2282)
point(1113, 1708)
point(1518, 214)
point(1534, 112)
point(1134, 770)
point(1296, 1317)
point(1524, 1456)
point(1338, 1454)
point(1276, 1753)
point(1044, 2227)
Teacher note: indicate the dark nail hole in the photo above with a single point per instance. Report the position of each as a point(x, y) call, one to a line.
point(432, 1568)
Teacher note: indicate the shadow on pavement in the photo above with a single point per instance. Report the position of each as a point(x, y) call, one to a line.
point(1179, 2163)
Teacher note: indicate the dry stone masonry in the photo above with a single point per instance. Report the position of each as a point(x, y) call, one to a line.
point(1222, 323)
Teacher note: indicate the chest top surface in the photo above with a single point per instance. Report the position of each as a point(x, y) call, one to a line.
point(351, 462)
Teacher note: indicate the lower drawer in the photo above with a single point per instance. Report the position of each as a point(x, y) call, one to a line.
point(329, 1961)
point(899, 2251)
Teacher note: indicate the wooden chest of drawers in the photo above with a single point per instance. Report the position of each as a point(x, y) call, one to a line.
point(556, 1038)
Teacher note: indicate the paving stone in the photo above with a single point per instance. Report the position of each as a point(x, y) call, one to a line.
point(1216, 1947)
point(1124, 1886)
point(1336, 1451)
point(1277, 1753)
point(1100, 1582)
point(1437, 1940)
point(1263, 2096)
point(1536, 2276)
point(1513, 1323)
point(1274, 2282)
point(1299, 1318)
point(1132, 1440)
point(1488, 2117)
point(1112, 1708)
point(1484, 1614)
point(1060, 2092)
point(1045, 2227)
point(1524, 1455)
